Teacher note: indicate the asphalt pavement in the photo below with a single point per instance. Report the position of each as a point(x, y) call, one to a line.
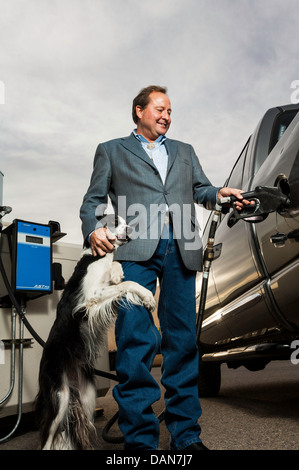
point(254, 411)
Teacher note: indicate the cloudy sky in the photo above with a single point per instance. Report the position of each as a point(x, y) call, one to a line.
point(71, 68)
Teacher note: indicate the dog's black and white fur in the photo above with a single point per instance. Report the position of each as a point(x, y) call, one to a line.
point(65, 403)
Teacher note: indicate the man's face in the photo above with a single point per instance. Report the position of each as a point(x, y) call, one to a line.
point(154, 120)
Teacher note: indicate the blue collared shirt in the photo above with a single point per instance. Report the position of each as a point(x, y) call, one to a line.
point(158, 154)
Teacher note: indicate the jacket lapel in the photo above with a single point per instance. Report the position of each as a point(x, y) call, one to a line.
point(172, 150)
point(132, 144)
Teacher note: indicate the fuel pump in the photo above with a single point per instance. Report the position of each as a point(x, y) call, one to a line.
point(26, 272)
point(30, 252)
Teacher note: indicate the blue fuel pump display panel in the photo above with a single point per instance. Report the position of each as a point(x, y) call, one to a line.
point(33, 257)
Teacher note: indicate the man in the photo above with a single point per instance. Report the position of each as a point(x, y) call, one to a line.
point(159, 179)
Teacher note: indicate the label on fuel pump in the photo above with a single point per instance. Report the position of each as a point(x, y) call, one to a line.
point(33, 257)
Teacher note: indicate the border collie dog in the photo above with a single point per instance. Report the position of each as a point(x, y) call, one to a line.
point(65, 403)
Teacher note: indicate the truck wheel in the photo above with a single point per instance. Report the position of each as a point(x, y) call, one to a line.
point(209, 379)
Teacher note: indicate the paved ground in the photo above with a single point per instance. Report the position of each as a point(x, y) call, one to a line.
point(254, 411)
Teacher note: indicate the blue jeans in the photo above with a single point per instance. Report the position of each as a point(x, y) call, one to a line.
point(138, 341)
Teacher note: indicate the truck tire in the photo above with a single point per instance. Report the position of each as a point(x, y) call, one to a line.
point(209, 379)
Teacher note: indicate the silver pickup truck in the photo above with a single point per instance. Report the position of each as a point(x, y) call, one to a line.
point(252, 307)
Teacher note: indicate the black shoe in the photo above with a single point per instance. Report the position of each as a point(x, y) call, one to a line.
point(195, 447)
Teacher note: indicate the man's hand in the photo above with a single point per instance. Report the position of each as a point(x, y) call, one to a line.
point(240, 203)
point(101, 241)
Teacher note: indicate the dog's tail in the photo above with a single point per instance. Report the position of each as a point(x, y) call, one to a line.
point(65, 411)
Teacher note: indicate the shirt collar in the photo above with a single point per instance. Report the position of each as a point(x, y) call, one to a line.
point(160, 140)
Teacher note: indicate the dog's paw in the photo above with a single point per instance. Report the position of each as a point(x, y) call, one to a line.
point(149, 302)
point(116, 278)
point(117, 274)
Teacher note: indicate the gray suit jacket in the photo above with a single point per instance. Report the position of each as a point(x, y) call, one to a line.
point(123, 170)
